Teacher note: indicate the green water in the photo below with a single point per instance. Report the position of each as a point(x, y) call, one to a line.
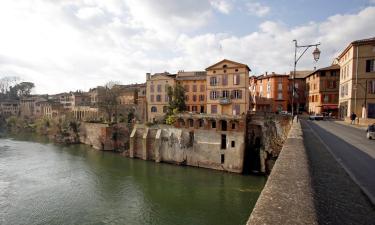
point(44, 183)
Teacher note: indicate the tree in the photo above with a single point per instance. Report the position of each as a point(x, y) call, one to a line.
point(176, 103)
point(108, 99)
point(6, 83)
point(176, 99)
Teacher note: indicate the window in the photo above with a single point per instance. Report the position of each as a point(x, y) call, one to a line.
point(225, 79)
point(202, 88)
point(201, 123)
point(159, 87)
point(194, 98)
point(166, 87)
point(166, 98)
point(236, 109)
point(326, 98)
point(213, 95)
point(233, 144)
point(213, 124)
point(158, 98)
point(186, 87)
point(279, 95)
point(201, 98)
point(194, 88)
point(233, 126)
point(268, 87)
point(323, 73)
point(213, 109)
point(371, 87)
point(152, 98)
point(152, 88)
point(213, 81)
point(280, 86)
point(165, 109)
point(370, 65)
point(237, 94)
point(225, 94)
point(188, 108)
point(296, 85)
point(194, 108)
point(186, 97)
point(154, 109)
point(223, 141)
point(222, 159)
point(236, 79)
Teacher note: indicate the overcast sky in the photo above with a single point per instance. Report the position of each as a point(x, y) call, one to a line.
point(64, 45)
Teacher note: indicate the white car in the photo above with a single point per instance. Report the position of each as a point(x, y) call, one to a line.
point(316, 117)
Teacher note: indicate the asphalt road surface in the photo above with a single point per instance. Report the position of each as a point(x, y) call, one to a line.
point(342, 167)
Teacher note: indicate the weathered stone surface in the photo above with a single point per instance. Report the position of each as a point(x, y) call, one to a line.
point(287, 197)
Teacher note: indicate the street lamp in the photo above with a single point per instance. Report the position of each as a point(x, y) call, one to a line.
point(316, 55)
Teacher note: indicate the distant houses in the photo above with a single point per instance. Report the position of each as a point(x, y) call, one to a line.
point(227, 88)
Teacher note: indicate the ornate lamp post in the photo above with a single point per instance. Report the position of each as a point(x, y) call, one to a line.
point(316, 55)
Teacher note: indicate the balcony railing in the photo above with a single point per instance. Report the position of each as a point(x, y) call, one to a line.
point(225, 101)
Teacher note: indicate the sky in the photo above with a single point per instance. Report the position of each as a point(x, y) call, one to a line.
point(68, 45)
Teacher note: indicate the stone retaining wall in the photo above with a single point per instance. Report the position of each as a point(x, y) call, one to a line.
point(287, 197)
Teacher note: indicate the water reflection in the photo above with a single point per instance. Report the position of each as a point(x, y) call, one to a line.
point(43, 183)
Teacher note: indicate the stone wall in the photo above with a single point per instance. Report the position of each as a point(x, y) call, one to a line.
point(92, 134)
point(193, 147)
point(287, 197)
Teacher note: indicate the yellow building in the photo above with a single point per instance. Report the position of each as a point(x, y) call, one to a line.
point(157, 94)
point(227, 88)
point(194, 83)
point(357, 80)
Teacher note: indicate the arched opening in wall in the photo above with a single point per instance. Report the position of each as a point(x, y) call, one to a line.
point(224, 125)
point(213, 124)
point(181, 122)
point(201, 123)
point(252, 150)
point(191, 122)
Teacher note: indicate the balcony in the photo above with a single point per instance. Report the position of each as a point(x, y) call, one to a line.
point(225, 101)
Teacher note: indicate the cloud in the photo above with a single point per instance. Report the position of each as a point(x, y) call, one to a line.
point(69, 44)
point(223, 6)
point(257, 8)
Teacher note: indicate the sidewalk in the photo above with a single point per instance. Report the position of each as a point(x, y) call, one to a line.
point(358, 126)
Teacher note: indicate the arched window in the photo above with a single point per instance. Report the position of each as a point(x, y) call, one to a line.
point(154, 109)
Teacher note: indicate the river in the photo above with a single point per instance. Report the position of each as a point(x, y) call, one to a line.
point(45, 183)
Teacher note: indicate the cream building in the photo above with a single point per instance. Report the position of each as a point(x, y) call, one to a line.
point(157, 94)
point(227, 88)
point(357, 80)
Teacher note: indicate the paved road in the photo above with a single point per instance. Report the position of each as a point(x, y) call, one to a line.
point(342, 167)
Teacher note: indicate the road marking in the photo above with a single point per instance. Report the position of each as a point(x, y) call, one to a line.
point(351, 175)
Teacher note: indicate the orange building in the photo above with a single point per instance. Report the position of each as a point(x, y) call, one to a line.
point(300, 102)
point(269, 92)
point(323, 90)
point(194, 83)
point(227, 88)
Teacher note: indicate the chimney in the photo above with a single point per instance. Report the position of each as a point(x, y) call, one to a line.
point(266, 73)
point(148, 76)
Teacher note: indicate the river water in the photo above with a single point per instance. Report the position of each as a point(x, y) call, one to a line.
point(45, 183)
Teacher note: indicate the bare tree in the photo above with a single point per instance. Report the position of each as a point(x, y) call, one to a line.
point(7, 82)
point(108, 99)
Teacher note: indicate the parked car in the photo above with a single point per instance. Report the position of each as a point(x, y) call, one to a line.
point(316, 117)
point(370, 132)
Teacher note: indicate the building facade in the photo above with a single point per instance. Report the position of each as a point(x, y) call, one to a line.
point(227, 85)
point(357, 80)
point(157, 94)
point(194, 83)
point(269, 92)
point(9, 108)
point(323, 90)
point(300, 92)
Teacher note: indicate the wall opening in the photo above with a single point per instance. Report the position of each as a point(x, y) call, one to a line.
point(223, 141)
point(233, 144)
point(224, 125)
point(213, 124)
point(222, 158)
